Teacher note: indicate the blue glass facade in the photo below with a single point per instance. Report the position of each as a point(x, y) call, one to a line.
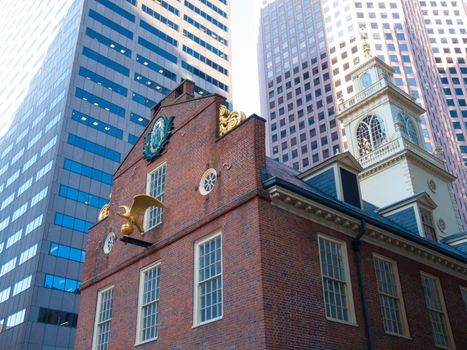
point(109, 62)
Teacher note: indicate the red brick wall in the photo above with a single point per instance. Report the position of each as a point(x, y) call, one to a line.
point(272, 286)
point(242, 323)
point(231, 207)
point(293, 295)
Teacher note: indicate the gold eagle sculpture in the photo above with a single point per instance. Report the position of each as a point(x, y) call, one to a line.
point(135, 214)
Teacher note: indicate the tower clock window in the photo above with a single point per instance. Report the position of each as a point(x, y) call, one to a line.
point(365, 79)
point(370, 134)
point(407, 127)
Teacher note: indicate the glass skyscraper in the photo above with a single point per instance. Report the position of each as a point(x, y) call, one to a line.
point(81, 77)
point(308, 49)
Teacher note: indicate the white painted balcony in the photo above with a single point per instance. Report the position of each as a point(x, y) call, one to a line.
point(394, 146)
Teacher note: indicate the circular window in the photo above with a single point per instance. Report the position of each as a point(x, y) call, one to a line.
point(109, 242)
point(442, 224)
point(208, 181)
point(432, 185)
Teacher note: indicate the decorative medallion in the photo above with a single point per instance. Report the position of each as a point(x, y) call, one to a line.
point(109, 242)
point(442, 224)
point(229, 120)
point(208, 181)
point(158, 137)
point(432, 185)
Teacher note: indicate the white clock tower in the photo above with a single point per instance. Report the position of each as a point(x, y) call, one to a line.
point(381, 125)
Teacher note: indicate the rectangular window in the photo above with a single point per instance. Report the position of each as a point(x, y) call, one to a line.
point(108, 42)
point(66, 252)
point(28, 254)
point(427, 222)
point(155, 187)
point(464, 297)
point(337, 288)
point(107, 22)
point(87, 171)
point(93, 148)
point(148, 308)
point(390, 296)
point(57, 318)
point(103, 318)
point(434, 302)
point(158, 33)
point(15, 319)
point(22, 285)
point(33, 225)
point(208, 280)
point(156, 67)
point(4, 295)
point(61, 283)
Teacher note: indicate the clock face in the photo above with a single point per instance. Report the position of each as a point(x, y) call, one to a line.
point(366, 79)
point(158, 137)
point(109, 242)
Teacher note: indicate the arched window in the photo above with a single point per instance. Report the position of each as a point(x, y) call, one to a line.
point(370, 134)
point(412, 131)
point(407, 127)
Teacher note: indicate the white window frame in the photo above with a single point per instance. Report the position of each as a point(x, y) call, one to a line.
point(196, 295)
point(430, 224)
point(148, 191)
point(348, 282)
point(139, 340)
point(464, 296)
point(403, 315)
point(98, 311)
point(449, 335)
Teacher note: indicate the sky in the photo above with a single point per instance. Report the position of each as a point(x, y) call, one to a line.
point(244, 29)
point(244, 72)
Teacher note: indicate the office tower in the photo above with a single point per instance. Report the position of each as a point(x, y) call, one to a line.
point(296, 84)
point(394, 31)
point(446, 25)
point(106, 63)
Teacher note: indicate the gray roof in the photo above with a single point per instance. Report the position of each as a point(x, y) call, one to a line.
point(279, 174)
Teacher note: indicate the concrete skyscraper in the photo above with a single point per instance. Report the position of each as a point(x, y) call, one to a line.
point(446, 25)
point(79, 85)
point(301, 95)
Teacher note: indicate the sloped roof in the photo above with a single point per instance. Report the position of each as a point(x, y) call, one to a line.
point(278, 174)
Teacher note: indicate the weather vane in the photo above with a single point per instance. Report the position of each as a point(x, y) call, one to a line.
point(364, 37)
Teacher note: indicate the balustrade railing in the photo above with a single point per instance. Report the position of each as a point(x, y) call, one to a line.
point(394, 146)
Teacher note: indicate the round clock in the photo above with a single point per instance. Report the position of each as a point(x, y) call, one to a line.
point(109, 242)
point(158, 137)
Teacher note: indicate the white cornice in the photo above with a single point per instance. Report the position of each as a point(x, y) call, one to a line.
point(406, 154)
point(316, 212)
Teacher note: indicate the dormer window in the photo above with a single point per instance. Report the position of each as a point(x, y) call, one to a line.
point(370, 134)
point(427, 222)
point(365, 78)
point(407, 127)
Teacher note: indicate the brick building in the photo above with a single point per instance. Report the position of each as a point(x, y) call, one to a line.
point(251, 254)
